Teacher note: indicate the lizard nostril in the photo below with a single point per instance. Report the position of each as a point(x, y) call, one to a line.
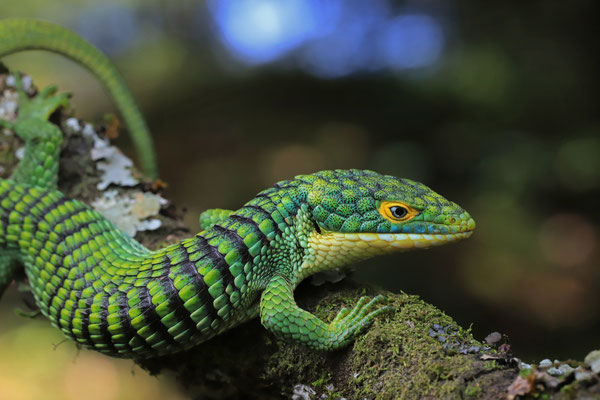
point(452, 220)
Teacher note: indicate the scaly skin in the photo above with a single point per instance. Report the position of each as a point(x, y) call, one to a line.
point(213, 216)
point(109, 293)
point(21, 34)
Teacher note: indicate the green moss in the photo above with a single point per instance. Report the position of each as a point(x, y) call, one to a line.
point(474, 390)
point(570, 390)
point(322, 381)
point(413, 362)
point(524, 373)
point(400, 356)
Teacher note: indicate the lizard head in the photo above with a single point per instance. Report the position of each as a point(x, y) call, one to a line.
point(358, 214)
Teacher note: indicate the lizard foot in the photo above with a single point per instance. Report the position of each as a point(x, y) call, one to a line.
point(27, 314)
point(39, 165)
point(39, 107)
point(349, 324)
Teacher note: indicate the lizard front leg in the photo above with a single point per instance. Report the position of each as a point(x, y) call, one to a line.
point(39, 166)
point(281, 316)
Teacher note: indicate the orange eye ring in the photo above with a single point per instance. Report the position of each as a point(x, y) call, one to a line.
point(397, 211)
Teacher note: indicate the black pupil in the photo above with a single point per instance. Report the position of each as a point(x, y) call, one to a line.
point(398, 212)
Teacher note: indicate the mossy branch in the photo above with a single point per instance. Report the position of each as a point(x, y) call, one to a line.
point(415, 352)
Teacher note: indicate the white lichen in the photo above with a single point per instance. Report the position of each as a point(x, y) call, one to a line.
point(131, 212)
point(20, 153)
point(592, 360)
point(553, 371)
point(546, 363)
point(114, 165)
point(566, 369)
point(9, 103)
point(26, 81)
point(523, 365)
point(303, 392)
point(583, 375)
point(73, 125)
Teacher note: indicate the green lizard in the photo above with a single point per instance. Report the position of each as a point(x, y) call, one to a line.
point(107, 292)
point(20, 34)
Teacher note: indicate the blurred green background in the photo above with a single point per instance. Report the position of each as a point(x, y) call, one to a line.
point(493, 104)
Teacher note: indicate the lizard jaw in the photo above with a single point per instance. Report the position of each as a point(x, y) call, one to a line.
point(366, 241)
point(329, 250)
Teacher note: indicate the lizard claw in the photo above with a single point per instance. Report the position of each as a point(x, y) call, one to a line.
point(47, 91)
point(40, 106)
point(27, 314)
point(349, 324)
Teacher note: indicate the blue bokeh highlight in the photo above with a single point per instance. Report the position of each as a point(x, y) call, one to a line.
point(329, 38)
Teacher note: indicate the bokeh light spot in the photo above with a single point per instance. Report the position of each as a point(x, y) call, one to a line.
point(328, 39)
point(410, 41)
point(259, 31)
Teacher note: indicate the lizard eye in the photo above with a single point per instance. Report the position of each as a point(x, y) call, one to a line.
point(398, 212)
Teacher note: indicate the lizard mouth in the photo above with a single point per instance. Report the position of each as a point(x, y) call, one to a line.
point(400, 241)
point(328, 249)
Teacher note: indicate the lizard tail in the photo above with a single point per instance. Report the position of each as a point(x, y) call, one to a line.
point(29, 34)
